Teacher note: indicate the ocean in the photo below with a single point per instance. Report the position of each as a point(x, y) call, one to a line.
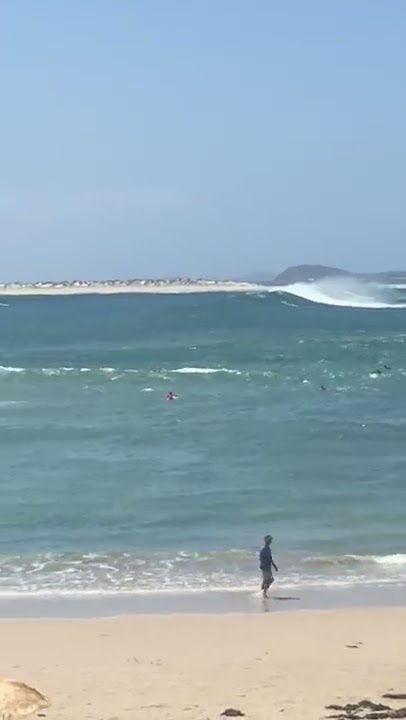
point(289, 419)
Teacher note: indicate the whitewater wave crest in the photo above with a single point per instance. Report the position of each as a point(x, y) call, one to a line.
point(118, 372)
point(204, 371)
point(346, 292)
point(110, 572)
point(397, 559)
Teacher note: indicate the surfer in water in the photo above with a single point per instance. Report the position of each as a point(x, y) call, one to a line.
point(266, 565)
point(170, 395)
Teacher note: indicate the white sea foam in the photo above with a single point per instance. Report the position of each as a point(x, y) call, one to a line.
point(197, 371)
point(343, 292)
point(397, 559)
point(5, 369)
point(152, 583)
point(205, 371)
point(353, 559)
point(285, 302)
point(185, 571)
point(118, 372)
point(395, 286)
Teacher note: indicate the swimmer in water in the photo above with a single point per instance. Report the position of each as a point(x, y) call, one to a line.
point(170, 395)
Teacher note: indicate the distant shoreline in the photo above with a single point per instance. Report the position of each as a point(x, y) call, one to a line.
point(116, 287)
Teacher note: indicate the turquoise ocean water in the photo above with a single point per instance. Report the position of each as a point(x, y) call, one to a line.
point(108, 488)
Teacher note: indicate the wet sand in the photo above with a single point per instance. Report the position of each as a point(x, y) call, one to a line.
point(247, 602)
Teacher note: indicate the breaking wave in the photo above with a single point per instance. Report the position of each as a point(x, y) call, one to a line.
point(397, 559)
point(346, 292)
point(118, 372)
point(204, 371)
point(92, 573)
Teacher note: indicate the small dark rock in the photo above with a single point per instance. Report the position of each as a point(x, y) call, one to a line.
point(368, 710)
point(232, 712)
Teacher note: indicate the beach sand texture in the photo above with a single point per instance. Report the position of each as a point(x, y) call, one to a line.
point(194, 667)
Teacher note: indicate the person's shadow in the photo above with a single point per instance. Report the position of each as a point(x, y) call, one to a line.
point(266, 606)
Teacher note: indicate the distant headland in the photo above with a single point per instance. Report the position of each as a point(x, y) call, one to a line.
point(290, 276)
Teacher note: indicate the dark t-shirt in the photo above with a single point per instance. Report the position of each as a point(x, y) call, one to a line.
point(265, 558)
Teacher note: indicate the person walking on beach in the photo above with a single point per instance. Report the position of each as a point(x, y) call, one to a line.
point(266, 564)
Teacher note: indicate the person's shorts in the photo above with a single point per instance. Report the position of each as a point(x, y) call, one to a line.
point(267, 576)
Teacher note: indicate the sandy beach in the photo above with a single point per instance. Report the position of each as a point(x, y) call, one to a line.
point(194, 667)
point(117, 287)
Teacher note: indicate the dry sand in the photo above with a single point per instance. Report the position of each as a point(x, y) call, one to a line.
point(286, 665)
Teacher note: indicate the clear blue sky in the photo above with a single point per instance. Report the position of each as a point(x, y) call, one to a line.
point(201, 137)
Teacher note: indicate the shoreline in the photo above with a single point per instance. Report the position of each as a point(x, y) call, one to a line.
point(117, 287)
point(222, 603)
point(138, 668)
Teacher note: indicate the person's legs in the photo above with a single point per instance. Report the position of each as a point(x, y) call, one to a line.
point(267, 580)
